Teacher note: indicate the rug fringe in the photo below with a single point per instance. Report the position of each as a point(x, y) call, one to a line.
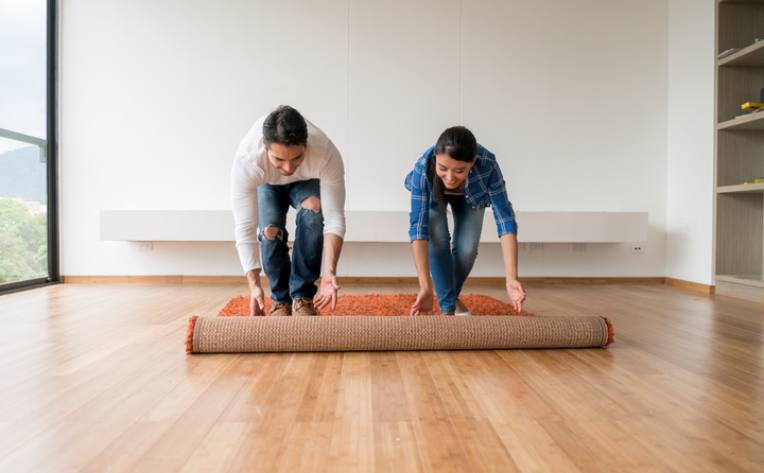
point(190, 334)
point(610, 331)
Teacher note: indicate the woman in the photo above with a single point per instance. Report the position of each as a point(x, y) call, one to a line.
point(458, 172)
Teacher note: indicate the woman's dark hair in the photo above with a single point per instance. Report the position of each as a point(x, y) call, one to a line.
point(285, 126)
point(458, 143)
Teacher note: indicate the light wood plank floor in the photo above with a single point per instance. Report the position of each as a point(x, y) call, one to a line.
point(93, 377)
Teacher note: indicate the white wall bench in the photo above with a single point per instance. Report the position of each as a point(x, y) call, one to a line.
point(375, 226)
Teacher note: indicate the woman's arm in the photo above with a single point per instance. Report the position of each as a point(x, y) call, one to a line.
point(514, 288)
point(419, 233)
point(506, 225)
point(424, 298)
point(509, 251)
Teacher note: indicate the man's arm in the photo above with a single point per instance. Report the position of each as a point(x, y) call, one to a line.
point(332, 250)
point(332, 182)
point(256, 293)
point(244, 205)
point(327, 291)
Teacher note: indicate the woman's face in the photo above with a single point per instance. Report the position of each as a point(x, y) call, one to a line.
point(453, 173)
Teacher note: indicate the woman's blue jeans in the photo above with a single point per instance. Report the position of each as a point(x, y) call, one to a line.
point(451, 260)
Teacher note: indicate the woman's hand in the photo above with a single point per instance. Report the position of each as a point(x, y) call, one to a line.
point(423, 301)
point(516, 294)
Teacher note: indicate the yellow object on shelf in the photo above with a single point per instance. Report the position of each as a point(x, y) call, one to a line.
point(756, 180)
point(752, 106)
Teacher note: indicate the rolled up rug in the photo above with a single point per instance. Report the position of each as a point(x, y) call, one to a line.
point(383, 333)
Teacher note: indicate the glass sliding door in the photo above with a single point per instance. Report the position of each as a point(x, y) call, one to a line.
point(28, 219)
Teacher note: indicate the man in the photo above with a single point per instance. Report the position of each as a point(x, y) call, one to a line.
point(287, 161)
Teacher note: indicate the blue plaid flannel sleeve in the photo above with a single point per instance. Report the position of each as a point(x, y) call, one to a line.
point(503, 212)
point(419, 216)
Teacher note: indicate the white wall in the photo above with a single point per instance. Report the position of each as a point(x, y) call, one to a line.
point(155, 95)
point(689, 202)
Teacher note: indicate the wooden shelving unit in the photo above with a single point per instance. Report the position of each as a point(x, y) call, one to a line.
point(739, 153)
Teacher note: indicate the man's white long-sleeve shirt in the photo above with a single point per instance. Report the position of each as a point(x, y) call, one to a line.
point(251, 168)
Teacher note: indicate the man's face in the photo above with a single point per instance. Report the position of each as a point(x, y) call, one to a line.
point(286, 158)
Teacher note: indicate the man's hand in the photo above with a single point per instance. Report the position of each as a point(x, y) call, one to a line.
point(516, 294)
point(423, 301)
point(256, 295)
point(327, 292)
point(257, 301)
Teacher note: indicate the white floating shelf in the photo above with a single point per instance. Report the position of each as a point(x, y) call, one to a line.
point(375, 226)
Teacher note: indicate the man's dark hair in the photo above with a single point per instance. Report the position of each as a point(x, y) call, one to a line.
point(285, 126)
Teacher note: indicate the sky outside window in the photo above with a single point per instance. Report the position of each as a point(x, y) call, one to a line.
point(22, 69)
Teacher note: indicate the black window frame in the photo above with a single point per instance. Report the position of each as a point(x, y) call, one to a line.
point(51, 62)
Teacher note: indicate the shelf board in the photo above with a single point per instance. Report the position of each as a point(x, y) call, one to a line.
point(740, 1)
point(752, 55)
point(753, 121)
point(740, 189)
point(746, 279)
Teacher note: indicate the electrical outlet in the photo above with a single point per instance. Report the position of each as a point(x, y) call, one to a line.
point(145, 245)
point(637, 249)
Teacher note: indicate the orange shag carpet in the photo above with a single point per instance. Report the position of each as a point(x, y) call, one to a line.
point(383, 304)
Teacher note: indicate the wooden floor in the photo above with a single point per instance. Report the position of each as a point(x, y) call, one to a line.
point(93, 377)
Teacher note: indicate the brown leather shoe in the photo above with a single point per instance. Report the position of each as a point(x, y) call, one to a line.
point(304, 307)
point(282, 309)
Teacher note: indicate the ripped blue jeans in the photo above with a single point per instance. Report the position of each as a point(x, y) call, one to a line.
point(293, 279)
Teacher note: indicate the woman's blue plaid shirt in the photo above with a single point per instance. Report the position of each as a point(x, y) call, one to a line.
point(485, 186)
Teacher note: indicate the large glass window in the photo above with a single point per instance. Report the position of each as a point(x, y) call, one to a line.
point(27, 147)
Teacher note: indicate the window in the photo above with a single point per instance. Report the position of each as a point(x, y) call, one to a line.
point(28, 217)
